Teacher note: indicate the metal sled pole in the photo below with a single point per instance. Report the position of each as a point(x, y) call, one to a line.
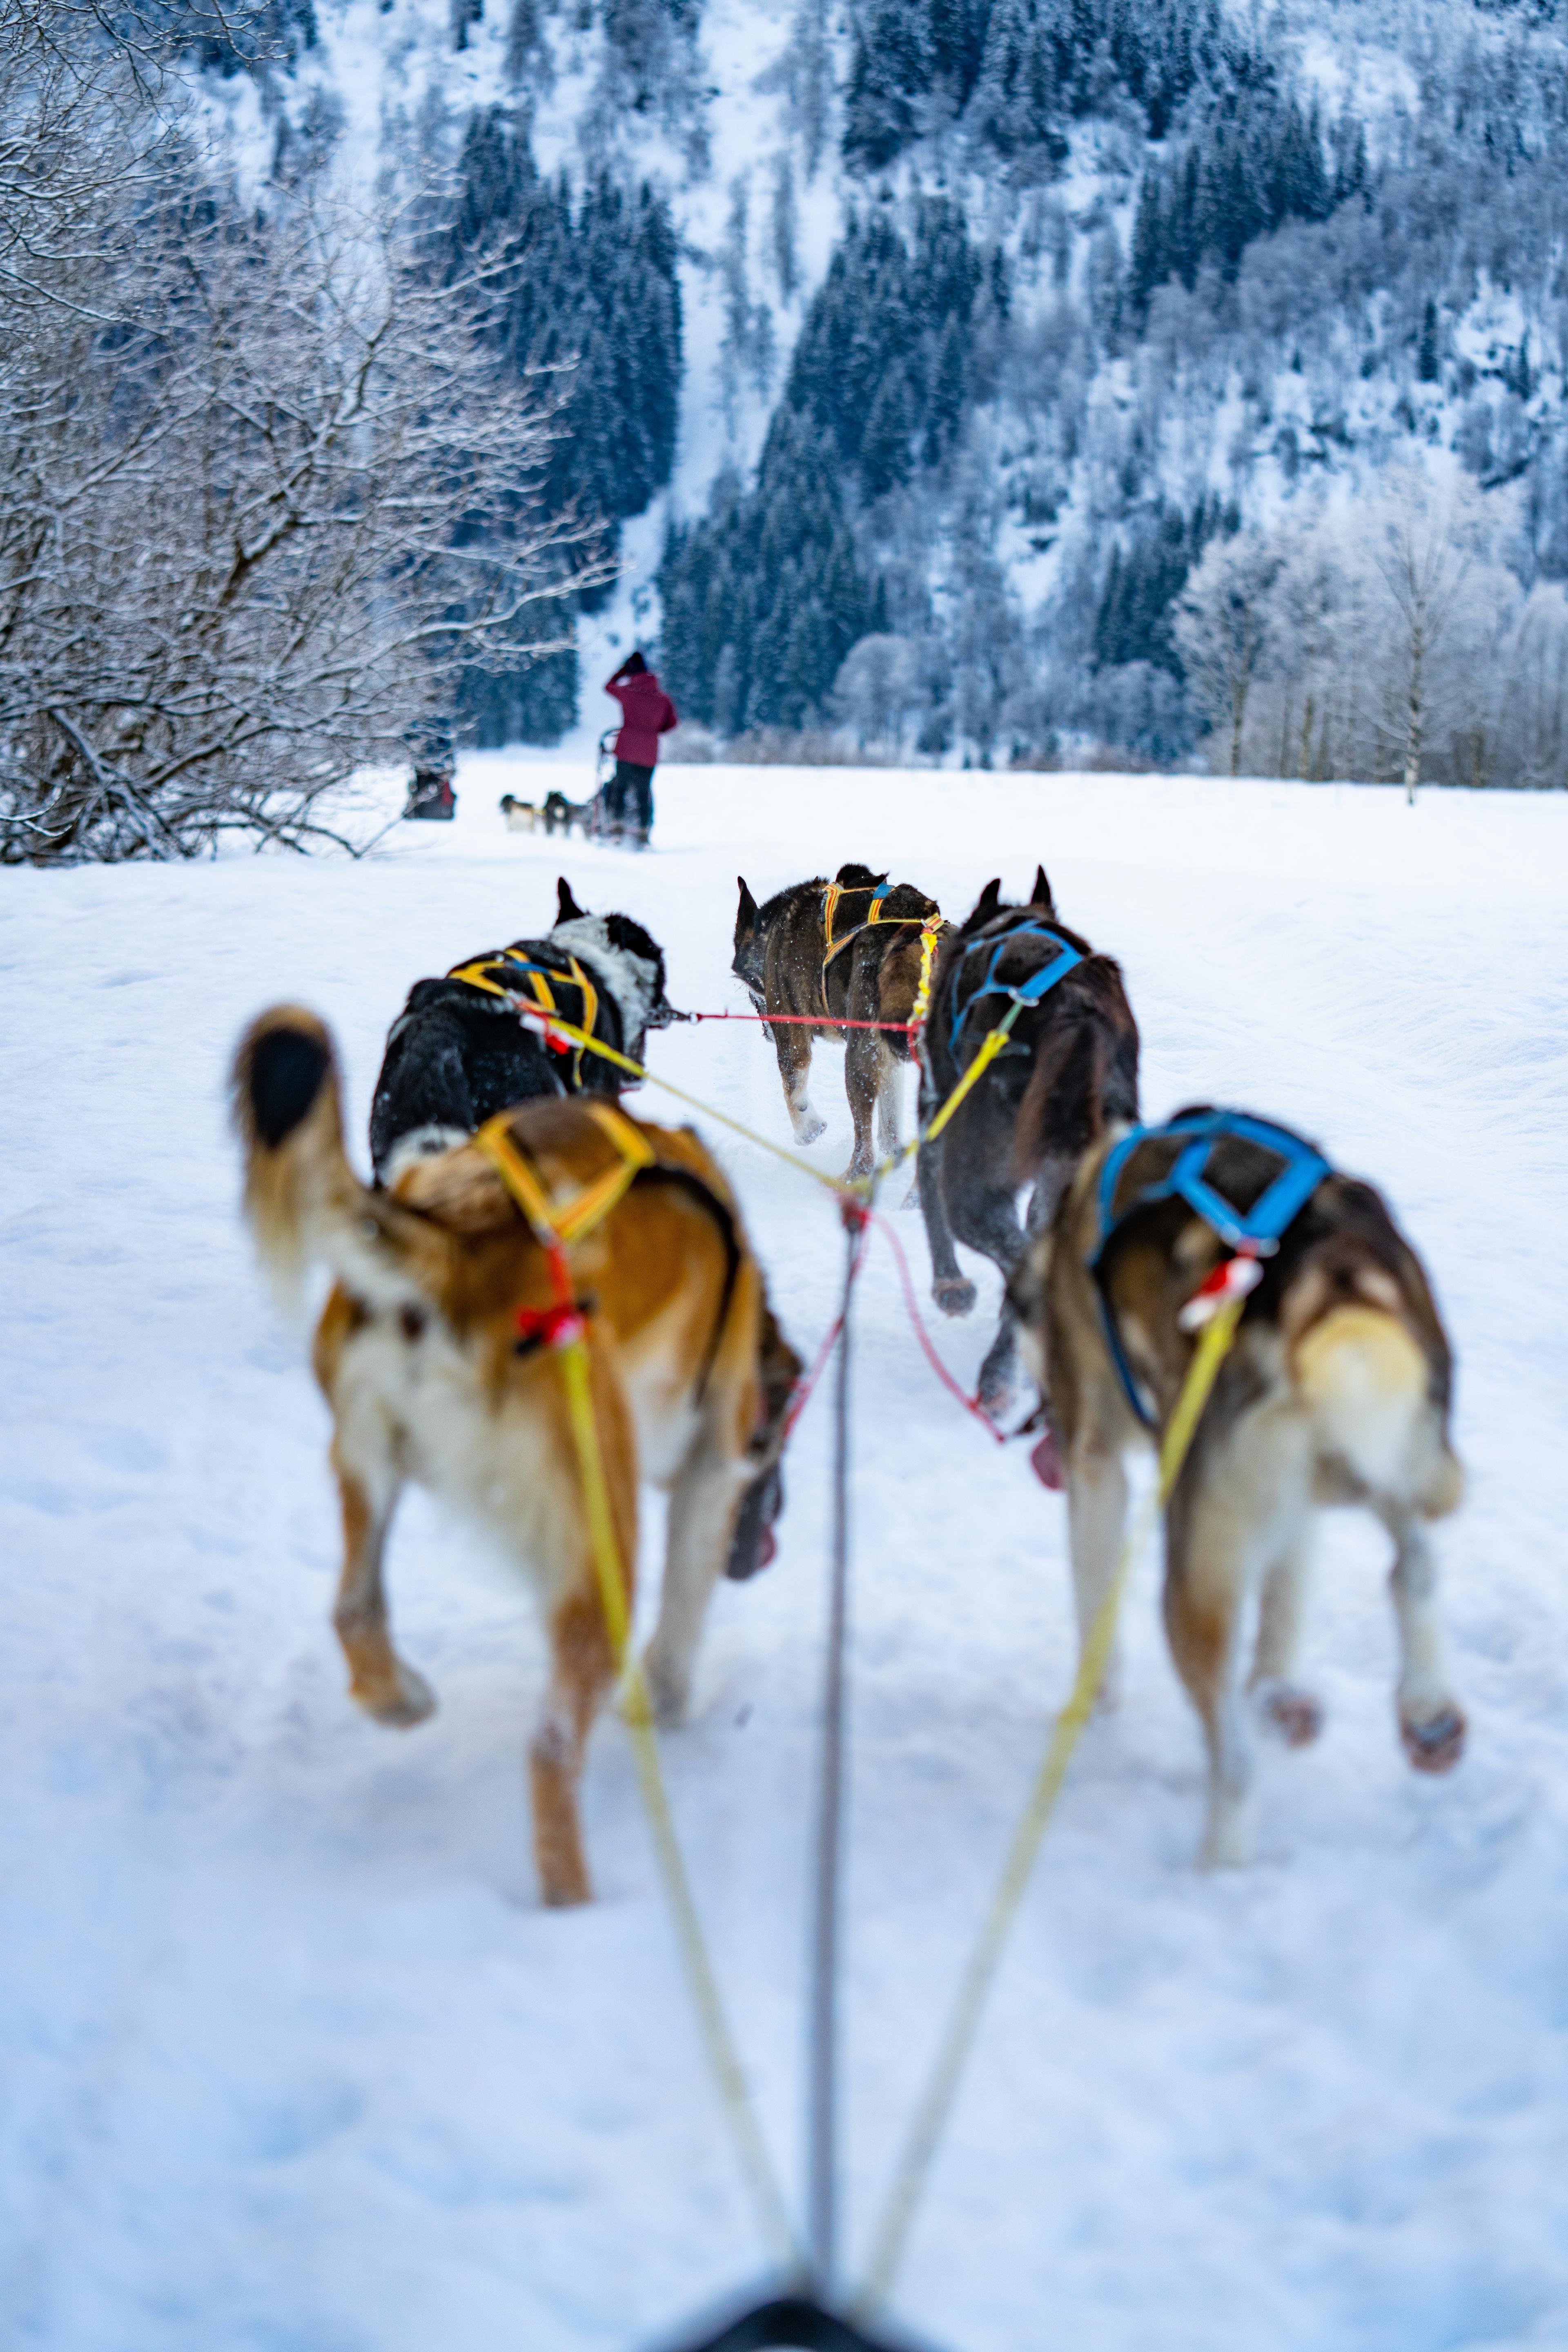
point(806, 2319)
point(822, 2134)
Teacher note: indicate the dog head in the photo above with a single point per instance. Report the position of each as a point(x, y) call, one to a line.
point(627, 959)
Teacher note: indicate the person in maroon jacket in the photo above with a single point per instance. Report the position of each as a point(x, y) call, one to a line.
point(646, 713)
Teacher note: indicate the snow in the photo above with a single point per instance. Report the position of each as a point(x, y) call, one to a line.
point(290, 2057)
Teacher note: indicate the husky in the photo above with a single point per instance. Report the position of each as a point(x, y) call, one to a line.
point(521, 816)
point(560, 815)
point(433, 1353)
point(1335, 1390)
point(1071, 1064)
point(829, 952)
point(466, 1046)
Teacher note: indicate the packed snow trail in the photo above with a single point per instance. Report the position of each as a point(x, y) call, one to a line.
point(289, 2056)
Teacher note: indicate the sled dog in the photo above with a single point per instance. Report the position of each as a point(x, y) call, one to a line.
point(1335, 1390)
point(434, 1354)
point(1071, 1064)
point(827, 953)
point(521, 816)
point(561, 815)
point(468, 1046)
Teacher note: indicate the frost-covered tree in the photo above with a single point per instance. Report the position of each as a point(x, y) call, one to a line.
point(1425, 548)
point(880, 690)
point(1222, 629)
point(265, 498)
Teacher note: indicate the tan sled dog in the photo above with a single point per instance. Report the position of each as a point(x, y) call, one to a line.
point(1335, 1391)
point(433, 1353)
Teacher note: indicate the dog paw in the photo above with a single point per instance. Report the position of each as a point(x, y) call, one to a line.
point(562, 1889)
point(808, 1130)
point(1228, 1841)
point(954, 1296)
point(1435, 1744)
point(401, 1704)
point(669, 1693)
point(1296, 1715)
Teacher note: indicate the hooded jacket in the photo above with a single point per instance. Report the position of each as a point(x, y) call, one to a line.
point(646, 713)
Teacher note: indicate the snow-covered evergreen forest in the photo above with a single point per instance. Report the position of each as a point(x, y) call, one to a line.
point(1017, 382)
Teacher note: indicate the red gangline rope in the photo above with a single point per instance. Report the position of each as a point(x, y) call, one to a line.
point(803, 1388)
point(971, 1404)
point(816, 1020)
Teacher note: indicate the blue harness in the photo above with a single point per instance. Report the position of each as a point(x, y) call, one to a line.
point(1029, 991)
point(1252, 1232)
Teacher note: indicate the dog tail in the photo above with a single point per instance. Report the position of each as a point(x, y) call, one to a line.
point(303, 1203)
point(1367, 1381)
point(1063, 1109)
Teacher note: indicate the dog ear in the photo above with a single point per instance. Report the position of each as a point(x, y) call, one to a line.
point(986, 905)
point(746, 912)
point(1041, 893)
point(567, 909)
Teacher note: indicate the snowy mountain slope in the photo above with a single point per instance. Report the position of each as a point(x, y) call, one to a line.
point(1230, 270)
point(289, 2056)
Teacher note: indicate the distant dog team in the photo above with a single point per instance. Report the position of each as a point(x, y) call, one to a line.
point(1335, 1389)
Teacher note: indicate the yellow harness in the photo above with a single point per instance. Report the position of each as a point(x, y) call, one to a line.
point(478, 975)
point(930, 930)
point(557, 1225)
point(931, 927)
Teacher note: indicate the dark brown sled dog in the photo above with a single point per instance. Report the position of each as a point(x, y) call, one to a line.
point(431, 1353)
point(1069, 1065)
point(1335, 1390)
point(827, 952)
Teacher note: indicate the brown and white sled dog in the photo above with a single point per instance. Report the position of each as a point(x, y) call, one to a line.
point(430, 1355)
point(1335, 1390)
point(830, 952)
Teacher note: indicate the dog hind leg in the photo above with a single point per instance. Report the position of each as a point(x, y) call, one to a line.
point(379, 1680)
point(1097, 1521)
point(1297, 1714)
point(702, 1511)
point(1431, 1721)
point(890, 1087)
point(583, 1660)
point(863, 1056)
point(792, 1046)
point(987, 1222)
point(582, 1668)
point(950, 1287)
point(1238, 1507)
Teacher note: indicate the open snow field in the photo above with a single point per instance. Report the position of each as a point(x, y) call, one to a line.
point(289, 2056)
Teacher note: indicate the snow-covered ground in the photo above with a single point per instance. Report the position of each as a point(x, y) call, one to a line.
point(290, 2057)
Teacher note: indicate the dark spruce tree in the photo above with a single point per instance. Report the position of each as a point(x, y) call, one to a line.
point(766, 594)
point(591, 289)
point(1016, 71)
point(1133, 621)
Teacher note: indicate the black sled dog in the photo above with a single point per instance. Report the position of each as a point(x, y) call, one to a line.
point(1335, 1390)
point(855, 949)
point(459, 1051)
point(1069, 1066)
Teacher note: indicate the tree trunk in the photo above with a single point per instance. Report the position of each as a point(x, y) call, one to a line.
point(1415, 720)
